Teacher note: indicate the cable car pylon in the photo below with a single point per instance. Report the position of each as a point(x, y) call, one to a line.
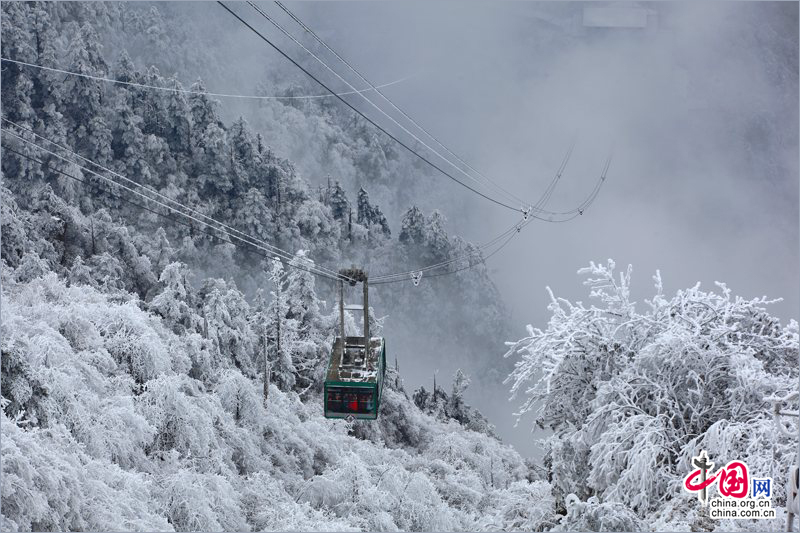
point(357, 366)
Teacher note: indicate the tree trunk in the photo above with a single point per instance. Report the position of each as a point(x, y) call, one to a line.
point(94, 244)
point(266, 372)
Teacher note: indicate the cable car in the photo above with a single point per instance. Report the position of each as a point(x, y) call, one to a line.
point(354, 378)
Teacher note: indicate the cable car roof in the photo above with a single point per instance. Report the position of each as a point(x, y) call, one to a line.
point(354, 367)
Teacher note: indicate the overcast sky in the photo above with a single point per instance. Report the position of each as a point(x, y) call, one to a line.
point(701, 108)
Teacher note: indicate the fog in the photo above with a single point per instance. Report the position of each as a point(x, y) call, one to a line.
point(700, 108)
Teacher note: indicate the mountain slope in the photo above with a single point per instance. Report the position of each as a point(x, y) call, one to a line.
point(109, 432)
point(133, 365)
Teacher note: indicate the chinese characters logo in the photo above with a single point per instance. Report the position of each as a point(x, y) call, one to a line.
point(731, 480)
point(762, 488)
point(734, 486)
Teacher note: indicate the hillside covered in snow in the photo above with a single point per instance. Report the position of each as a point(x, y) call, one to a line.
point(134, 347)
point(160, 375)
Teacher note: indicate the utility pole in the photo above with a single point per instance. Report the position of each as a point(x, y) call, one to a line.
point(341, 311)
point(366, 313)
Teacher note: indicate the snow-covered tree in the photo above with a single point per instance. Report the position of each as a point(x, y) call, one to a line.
point(456, 404)
point(281, 332)
point(371, 216)
point(174, 300)
point(86, 96)
point(159, 250)
point(632, 395)
point(338, 202)
point(225, 322)
point(412, 230)
point(133, 380)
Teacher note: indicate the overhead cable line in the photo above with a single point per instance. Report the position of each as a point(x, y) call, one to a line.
point(461, 269)
point(245, 238)
point(348, 104)
point(190, 91)
point(510, 233)
point(377, 89)
point(322, 62)
point(526, 208)
point(272, 251)
point(207, 93)
point(515, 228)
point(176, 89)
point(165, 198)
point(145, 208)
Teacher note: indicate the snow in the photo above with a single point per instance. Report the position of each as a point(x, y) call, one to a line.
point(631, 396)
point(156, 378)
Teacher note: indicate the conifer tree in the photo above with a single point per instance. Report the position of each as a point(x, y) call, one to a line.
point(412, 229)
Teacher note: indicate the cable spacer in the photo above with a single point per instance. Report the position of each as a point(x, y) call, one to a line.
point(415, 277)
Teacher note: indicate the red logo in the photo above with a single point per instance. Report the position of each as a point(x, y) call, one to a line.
point(731, 480)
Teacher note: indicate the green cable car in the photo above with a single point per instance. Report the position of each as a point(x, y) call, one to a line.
point(354, 379)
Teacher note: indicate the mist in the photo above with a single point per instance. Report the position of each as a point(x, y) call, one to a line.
point(699, 109)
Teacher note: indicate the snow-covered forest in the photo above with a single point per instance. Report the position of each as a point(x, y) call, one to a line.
point(135, 349)
point(631, 395)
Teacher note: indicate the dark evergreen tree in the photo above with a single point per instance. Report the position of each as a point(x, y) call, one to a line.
point(436, 240)
point(17, 44)
point(85, 97)
point(338, 202)
point(412, 229)
point(178, 120)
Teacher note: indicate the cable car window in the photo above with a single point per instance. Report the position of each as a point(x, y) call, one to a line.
point(350, 400)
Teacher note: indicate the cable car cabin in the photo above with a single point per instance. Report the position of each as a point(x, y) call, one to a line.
point(354, 381)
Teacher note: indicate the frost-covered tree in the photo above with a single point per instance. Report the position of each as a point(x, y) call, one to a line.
point(438, 244)
point(17, 43)
point(313, 336)
point(281, 331)
point(128, 142)
point(457, 407)
point(138, 271)
point(370, 216)
point(255, 217)
point(304, 306)
point(12, 226)
point(452, 407)
point(225, 322)
point(159, 250)
point(132, 399)
point(178, 119)
point(412, 230)
point(174, 300)
point(86, 96)
point(79, 273)
point(632, 395)
point(338, 202)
